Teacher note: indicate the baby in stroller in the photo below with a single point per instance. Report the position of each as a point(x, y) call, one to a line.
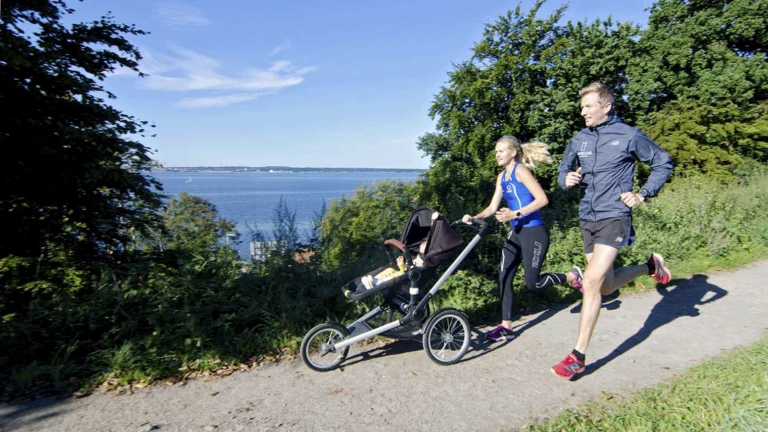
point(416, 237)
point(372, 281)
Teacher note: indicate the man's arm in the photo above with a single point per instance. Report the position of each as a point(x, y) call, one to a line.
point(657, 159)
point(568, 164)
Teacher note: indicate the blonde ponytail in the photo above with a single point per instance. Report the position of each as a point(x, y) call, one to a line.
point(529, 154)
point(534, 153)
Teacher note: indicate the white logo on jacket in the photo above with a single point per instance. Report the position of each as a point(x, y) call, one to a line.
point(583, 153)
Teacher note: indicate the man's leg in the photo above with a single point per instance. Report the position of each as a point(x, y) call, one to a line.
point(624, 276)
point(598, 274)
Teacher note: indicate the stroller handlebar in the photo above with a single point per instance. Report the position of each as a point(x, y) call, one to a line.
point(483, 225)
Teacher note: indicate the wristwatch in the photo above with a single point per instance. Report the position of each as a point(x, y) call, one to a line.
point(518, 215)
point(643, 192)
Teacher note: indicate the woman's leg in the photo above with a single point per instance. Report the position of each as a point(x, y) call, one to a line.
point(511, 255)
point(535, 243)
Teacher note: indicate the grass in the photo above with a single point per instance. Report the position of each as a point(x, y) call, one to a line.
point(727, 393)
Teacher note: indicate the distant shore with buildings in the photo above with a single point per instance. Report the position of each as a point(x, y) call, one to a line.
point(278, 169)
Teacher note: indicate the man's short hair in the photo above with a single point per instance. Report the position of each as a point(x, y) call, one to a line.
point(604, 94)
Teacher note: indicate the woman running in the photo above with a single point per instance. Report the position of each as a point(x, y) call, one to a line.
point(528, 239)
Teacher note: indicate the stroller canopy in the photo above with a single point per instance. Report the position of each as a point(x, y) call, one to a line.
point(442, 242)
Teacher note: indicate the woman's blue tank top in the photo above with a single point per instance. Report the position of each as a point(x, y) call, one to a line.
point(518, 196)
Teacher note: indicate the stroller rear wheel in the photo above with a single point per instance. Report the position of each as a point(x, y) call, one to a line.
point(447, 336)
point(317, 347)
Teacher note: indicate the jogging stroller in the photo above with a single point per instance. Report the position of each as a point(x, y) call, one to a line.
point(445, 334)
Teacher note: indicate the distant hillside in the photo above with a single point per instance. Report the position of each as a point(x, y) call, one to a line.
point(281, 169)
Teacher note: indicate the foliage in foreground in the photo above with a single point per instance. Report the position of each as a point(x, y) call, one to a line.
point(728, 393)
point(179, 298)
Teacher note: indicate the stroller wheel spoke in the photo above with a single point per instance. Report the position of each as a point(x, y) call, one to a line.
point(454, 325)
point(441, 353)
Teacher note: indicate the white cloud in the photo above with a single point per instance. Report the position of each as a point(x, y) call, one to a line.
point(282, 47)
point(217, 101)
point(185, 70)
point(177, 14)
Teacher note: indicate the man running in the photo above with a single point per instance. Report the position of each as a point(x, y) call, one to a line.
point(601, 160)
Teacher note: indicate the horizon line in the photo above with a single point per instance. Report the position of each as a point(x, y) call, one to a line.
point(289, 167)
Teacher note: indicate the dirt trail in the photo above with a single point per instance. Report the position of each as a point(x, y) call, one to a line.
point(640, 340)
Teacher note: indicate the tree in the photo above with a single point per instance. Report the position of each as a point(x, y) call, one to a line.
point(487, 96)
point(75, 178)
point(716, 140)
point(522, 79)
point(709, 51)
point(699, 83)
point(73, 183)
point(354, 227)
point(192, 225)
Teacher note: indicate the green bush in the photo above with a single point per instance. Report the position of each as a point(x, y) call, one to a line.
point(178, 298)
point(474, 294)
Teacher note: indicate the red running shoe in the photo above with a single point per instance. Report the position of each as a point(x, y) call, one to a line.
point(661, 273)
point(569, 368)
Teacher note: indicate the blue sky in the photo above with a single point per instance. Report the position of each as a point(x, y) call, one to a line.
point(302, 83)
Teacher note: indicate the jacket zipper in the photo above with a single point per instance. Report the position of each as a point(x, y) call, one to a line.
point(594, 177)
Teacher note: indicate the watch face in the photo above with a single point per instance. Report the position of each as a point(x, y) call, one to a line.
point(643, 193)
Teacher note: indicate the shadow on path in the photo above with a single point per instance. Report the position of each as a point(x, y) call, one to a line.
point(481, 346)
point(25, 410)
point(478, 346)
point(388, 349)
point(554, 309)
point(609, 302)
point(676, 302)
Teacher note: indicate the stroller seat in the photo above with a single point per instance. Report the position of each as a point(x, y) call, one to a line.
point(424, 227)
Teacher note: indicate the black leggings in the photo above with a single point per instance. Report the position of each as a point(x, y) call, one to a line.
point(529, 246)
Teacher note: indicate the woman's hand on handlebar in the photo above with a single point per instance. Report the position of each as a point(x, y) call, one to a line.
point(467, 219)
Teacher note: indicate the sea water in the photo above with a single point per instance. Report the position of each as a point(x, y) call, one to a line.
point(250, 199)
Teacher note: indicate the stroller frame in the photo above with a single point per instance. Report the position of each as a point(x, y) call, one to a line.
point(445, 335)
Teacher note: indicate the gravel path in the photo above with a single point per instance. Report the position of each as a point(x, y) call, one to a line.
point(640, 341)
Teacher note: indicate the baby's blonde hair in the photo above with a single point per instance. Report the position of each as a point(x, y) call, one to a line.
point(529, 154)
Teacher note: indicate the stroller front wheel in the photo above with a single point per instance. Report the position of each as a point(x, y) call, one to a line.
point(447, 336)
point(317, 347)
